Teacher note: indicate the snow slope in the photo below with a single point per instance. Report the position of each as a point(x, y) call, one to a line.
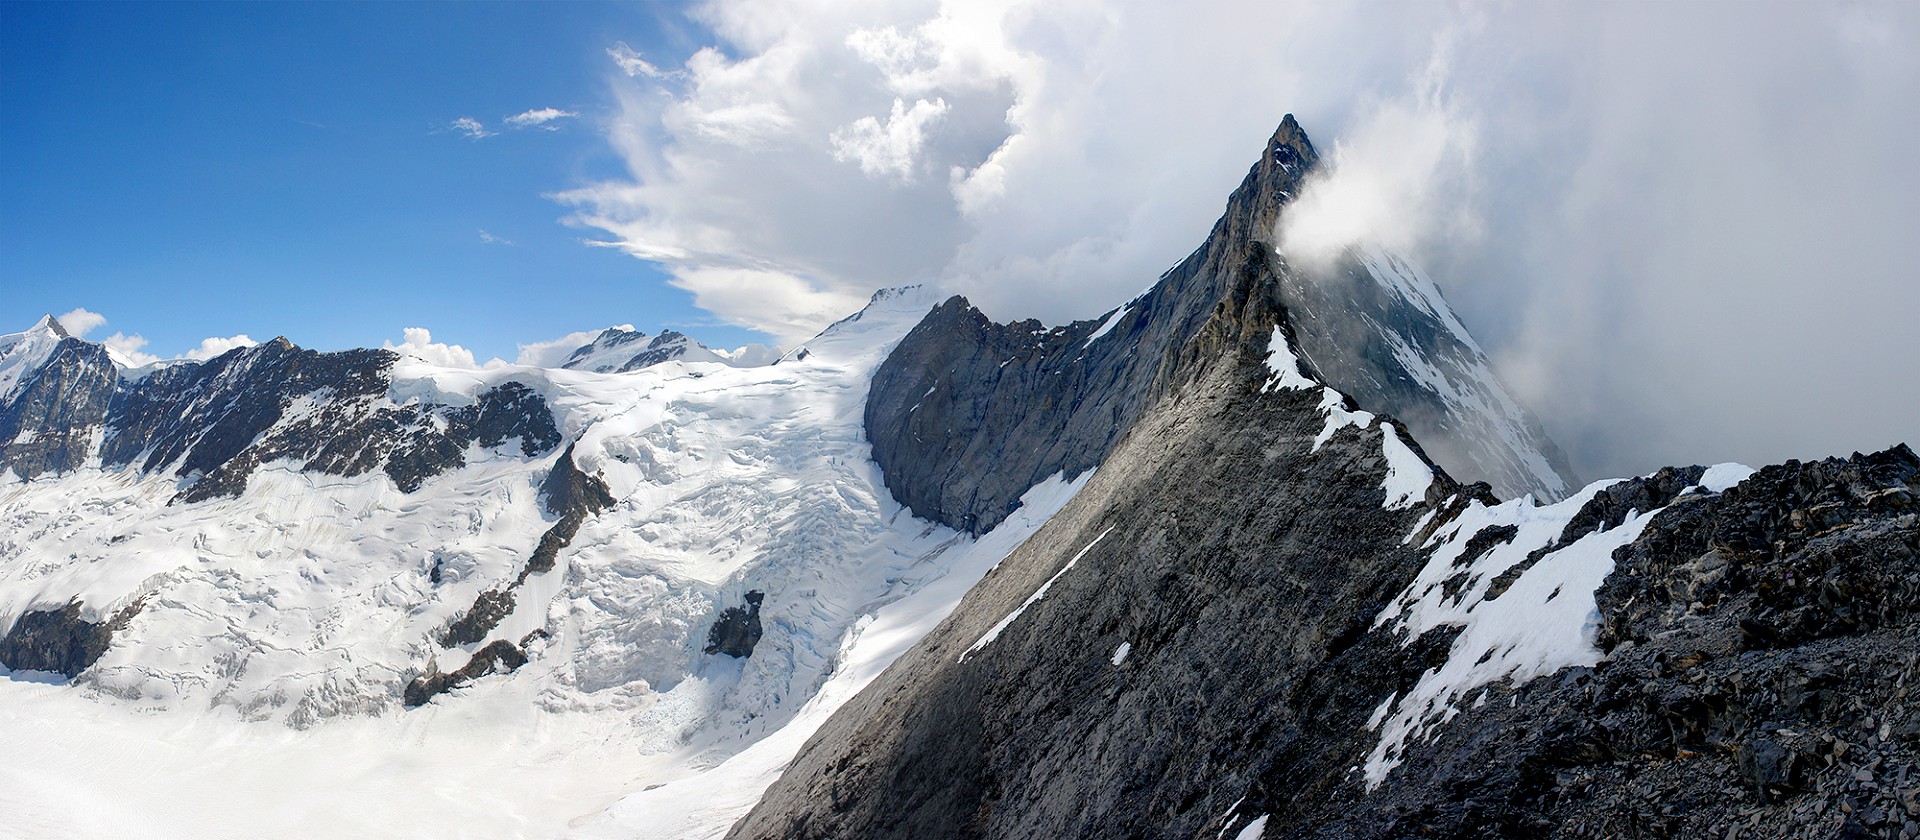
point(272, 632)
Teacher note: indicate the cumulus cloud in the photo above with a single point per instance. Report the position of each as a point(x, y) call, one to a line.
point(215, 346)
point(418, 343)
point(888, 149)
point(474, 129)
point(81, 321)
point(540, 118)
point(128, 350)
point(1681, 229)
point(131, 350)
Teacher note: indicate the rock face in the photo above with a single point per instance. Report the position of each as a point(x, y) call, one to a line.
point(738, 629)
point(59, 640)
point(49, 424)
point(1270, 607)
point(965, 415)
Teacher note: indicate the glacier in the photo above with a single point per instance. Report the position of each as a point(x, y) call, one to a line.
point(254, 689)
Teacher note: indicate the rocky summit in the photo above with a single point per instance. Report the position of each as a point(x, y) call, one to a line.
point(1267, 551)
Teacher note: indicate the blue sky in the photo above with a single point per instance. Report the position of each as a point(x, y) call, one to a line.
point(277, 168)
point(1650, 215)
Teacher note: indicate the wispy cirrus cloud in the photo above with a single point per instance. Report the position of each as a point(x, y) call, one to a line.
point(540, 118)
point(472, 128)
point(629, 61)
point(491, 239)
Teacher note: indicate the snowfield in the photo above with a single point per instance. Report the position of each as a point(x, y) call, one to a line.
point(256, 690)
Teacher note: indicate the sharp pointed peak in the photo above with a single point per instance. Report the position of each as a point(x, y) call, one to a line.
point(1291, 137)
point(50, 323)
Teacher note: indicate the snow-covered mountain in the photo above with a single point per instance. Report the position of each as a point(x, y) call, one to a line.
point(283, 538)
point(619, 350)
point(1217, 561)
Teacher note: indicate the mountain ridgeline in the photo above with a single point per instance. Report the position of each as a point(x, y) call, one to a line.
point(1272, 614)
point(966, 414)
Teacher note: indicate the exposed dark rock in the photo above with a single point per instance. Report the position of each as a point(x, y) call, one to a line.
point(1762, 640)
point(499, 657)
point(737, 629)
point(60, 640)
point(569, 493)
point(965, 415)
point(214, 423)
point(573, 496)
point(1252, 666)
point(1686, 730)
point(487, 612)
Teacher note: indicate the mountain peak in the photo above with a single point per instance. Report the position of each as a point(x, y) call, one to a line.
point(1292, 138)
point(49, 323)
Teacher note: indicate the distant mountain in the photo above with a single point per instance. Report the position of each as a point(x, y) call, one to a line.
point(618, 350)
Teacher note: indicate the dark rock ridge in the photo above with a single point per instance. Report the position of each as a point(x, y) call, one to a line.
point(1764, 643)
point(965, 415)
point(60, 640)
point(568, 494)
point(214, 423)
point(737, 629)
point(1200, 639)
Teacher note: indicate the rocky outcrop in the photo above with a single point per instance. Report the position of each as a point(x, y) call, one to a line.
point(501, 656)
point(737, 629)
point(60, 641)
point(569, 494)
point(965, 415)
point(217, 422)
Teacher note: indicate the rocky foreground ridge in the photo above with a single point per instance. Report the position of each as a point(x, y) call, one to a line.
point(1270, 614)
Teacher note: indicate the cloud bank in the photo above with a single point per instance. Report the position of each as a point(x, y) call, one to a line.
point(1681, 229)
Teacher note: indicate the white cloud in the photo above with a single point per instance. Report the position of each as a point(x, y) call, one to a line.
point(474, 129)
point(779, 304)
point(552, 353)
point(1632, 204)
point(81, 321)
point(128, 351)
point(211, 347)
point(889, 149)
point(491, 239)
point(418, 343)
point(540, 118)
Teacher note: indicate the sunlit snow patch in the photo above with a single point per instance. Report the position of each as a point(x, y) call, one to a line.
point(1546, 619)
point(995, 631)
